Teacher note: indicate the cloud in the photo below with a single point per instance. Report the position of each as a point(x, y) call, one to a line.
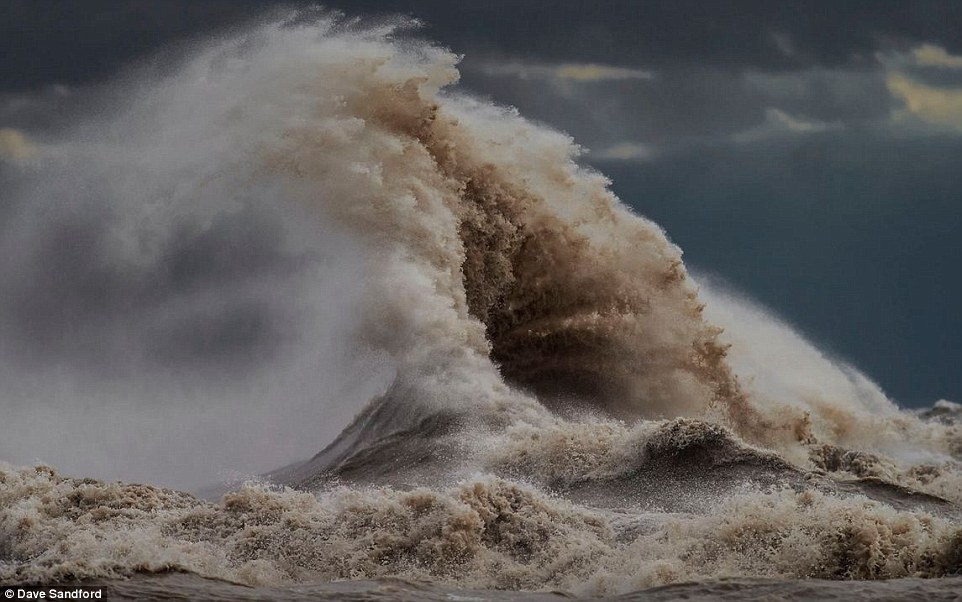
point(566, 72)
point(624, 151)
point(930, 55)
point(926, 59)
point(15, 146)
point(846, 95)
point(783, 43)
point(931, 104)
point(779, 123)
point(792, 124)
point(590, 72)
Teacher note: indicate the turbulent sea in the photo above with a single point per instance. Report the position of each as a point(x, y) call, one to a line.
point(569, 412)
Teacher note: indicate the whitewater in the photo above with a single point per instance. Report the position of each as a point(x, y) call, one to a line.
point(556, 403)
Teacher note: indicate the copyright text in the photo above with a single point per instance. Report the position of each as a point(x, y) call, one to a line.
point(52, 593)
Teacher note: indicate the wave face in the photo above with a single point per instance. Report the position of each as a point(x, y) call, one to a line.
point(567, 407)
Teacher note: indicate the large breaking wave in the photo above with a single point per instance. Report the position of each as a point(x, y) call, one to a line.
point(566, 407)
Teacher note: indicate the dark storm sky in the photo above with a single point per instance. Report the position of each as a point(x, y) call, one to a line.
point(808, 152)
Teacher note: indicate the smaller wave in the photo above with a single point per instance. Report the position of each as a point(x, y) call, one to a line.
point(681, 465)
point(485, 533)
point(944, 411)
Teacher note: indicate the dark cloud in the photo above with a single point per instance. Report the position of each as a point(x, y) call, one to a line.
point(849, 96)
point(47, 41)
point(746, 33)
point(693, 104)
point(719, 66)
point(50, 42)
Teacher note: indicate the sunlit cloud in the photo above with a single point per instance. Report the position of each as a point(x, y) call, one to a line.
point(595, 73)
point(779, 123)
point(922, 81)
point(624, 151)
point(931, 104)
point(14, 145)
point(566, 72)
point(930, 55)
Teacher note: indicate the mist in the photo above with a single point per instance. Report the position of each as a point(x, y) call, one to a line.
point(166, 315)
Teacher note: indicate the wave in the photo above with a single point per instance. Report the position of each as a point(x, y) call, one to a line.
point(567, 407)
point(484, 533)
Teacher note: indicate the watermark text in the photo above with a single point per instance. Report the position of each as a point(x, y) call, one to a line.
point(66, 592)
